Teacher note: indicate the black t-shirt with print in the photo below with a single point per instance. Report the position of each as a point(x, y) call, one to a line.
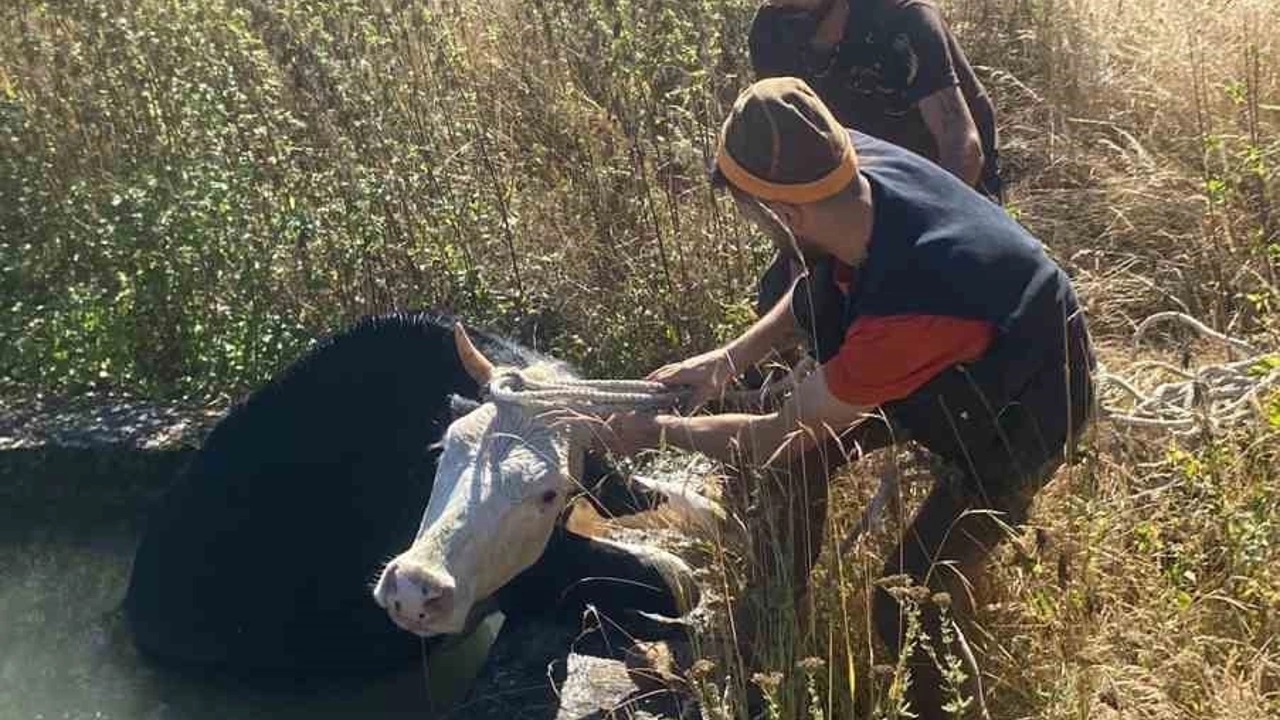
point(894, 53)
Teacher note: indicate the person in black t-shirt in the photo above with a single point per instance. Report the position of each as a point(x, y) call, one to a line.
point(888, 68)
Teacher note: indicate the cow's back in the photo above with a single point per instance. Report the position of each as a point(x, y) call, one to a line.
point(261, 555)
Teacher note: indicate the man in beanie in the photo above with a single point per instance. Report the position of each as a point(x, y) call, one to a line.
point(933, 317)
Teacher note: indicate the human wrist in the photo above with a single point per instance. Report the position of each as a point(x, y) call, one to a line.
point(671, 430)
point(664, 424)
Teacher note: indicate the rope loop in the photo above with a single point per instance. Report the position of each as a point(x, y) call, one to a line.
point(1212, 397)
point(515, 388)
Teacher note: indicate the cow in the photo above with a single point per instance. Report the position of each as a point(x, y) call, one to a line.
point(259, 558)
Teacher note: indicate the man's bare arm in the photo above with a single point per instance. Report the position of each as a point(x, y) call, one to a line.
point(709, 372)
point(959, 147)
point(809, 415)
point(775, 331)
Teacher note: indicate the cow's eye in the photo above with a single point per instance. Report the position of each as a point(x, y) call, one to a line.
point(549, 496)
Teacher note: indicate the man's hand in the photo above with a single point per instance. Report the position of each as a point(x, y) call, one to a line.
point(707, 374)
point(622, 434)
point(627, 433)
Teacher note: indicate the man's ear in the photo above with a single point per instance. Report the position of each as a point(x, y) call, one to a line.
point(791, 215)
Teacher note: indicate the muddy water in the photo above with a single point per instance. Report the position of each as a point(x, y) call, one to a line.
point(69, 520)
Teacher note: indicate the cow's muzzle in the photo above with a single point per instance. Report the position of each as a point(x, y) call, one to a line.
point(417, 599)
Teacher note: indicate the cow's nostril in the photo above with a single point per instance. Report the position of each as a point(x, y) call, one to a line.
point(434, 597)
point(436, 603)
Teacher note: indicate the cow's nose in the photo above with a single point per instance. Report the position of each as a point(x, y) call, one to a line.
point(414, 593)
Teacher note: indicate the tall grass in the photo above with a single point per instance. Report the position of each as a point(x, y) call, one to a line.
point(190, 192)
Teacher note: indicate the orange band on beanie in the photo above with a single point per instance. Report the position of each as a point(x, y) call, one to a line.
point(820, 189)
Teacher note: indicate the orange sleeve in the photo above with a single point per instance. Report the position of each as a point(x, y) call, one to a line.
point(887, 358)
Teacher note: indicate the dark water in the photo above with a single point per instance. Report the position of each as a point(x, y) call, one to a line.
point(69, 520)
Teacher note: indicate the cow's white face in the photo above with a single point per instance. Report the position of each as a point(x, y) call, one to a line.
point(502, 481)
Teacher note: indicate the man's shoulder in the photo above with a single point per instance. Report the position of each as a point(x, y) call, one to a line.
point(866, 143)
point(915, 18)
point(921, 198)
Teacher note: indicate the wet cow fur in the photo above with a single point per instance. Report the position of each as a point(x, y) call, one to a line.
point(258, 560)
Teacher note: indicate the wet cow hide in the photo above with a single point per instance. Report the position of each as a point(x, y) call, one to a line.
point(259, 559)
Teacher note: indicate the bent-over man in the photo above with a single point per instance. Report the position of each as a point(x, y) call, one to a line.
point(932, 315)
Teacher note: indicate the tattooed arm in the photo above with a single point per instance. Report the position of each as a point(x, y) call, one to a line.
point(959, 148)
point(936, 89)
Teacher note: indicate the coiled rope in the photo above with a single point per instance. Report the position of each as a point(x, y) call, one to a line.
point(1213, 397)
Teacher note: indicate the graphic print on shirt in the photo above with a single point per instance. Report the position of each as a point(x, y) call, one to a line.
point(870, 66)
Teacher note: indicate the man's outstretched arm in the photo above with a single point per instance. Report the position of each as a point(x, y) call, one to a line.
point(710, 372)
point(812, 412)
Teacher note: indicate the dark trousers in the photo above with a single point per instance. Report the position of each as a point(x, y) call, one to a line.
point(944, 549)
point(970, 510)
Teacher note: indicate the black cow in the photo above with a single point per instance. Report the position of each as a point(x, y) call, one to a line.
point(259, 559)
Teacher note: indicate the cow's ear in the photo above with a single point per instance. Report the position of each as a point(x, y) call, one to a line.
point(460, 406)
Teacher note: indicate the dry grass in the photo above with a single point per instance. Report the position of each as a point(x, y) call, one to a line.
point(189, 192)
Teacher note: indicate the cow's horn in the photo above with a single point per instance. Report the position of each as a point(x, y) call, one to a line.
point(477, 365)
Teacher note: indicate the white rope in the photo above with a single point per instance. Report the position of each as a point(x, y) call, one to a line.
point(1213, 397)
point(515, 388)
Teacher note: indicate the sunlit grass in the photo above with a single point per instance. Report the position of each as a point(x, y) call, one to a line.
point(191, 192)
